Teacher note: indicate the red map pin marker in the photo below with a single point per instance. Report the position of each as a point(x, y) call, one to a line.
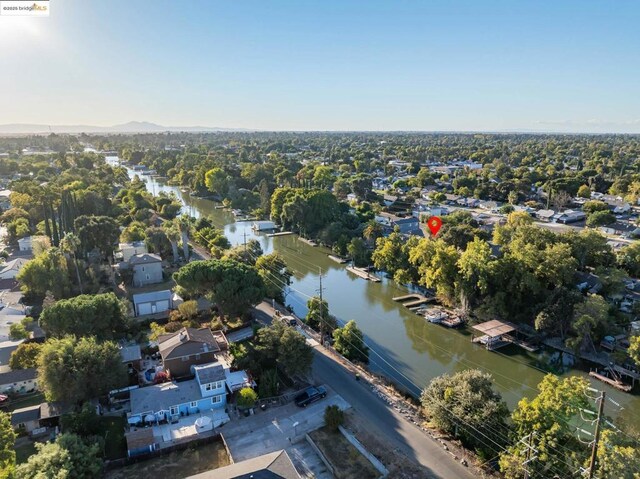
point(434, 225)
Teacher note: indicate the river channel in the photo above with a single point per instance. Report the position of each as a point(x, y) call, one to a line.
point(404, 346)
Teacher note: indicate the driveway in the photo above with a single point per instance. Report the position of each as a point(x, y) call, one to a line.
point(279, 428)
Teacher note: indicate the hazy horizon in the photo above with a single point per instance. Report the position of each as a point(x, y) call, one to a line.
point(463, 66)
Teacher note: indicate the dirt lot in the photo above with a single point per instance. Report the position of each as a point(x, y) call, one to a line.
point(177, 464)
point(399, 466)
point(346, 459)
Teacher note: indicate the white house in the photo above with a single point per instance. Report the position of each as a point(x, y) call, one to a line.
point(24, 244)
point(130, 249)
point(11, 269)
point(19, 381)
point(263, 225)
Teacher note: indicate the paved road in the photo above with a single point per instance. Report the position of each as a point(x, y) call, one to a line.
point(399, 432)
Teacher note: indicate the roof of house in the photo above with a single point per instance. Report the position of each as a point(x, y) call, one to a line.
point(545, 213)
point(144, 258)
point(130, 353)
point(276, 465)
point(186, 342)
point(17, 375)
point(140, 438)
point(6, 348)
point(53, 409)
point(14, 264)
point(160, 397)
point(208, 373)
point(25, 414)
point(152, 296)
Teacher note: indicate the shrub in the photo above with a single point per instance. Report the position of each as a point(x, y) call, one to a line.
point(247, 398)
point(333, 417)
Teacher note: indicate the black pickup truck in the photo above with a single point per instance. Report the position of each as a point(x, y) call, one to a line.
point(309, 395)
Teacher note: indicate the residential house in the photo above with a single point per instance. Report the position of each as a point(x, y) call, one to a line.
point(407, 225)
point(24, 244)
point(153, 302)
point(10, 269)
point(147, 269)
point(38, 419)
point(275, 465)
point(19, 381)
point(588, 282)
point(26, 419)
point(190, 347)
point(545, 215)
point(6, 348)
point(168, 402)
point(130, 249)
point(570, 216)
point(389, 200)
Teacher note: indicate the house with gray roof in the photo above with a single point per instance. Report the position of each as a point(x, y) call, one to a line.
point(19, 381)
point(147, 269)
point(275, 465)
point(172, 400)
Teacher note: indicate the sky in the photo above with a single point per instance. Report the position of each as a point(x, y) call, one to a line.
point(447, 65)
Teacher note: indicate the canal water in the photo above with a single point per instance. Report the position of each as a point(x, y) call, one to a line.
point(404, 346)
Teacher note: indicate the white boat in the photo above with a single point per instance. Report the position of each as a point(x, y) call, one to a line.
point(435, 316)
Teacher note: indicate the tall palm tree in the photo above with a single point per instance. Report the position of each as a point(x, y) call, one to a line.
point(184, 224)
point(172, 231)
point(372, 231)
point(70, 244)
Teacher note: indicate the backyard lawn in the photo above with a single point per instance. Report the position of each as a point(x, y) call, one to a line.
point(113, 431)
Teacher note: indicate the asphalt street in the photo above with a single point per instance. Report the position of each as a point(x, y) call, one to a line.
point(399, 432)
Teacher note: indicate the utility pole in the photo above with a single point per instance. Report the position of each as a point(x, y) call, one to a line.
point(594, 449)
point(244, 234)
point(530, 449)
point(321, 309)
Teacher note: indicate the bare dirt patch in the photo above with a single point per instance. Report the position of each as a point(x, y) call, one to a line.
point(346, 459)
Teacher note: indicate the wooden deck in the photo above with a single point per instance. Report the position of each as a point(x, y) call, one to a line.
point(281, 233)
point(363, 274)
point(611, 382)
point(418, 300)
point(337, 259)
point(309, 242)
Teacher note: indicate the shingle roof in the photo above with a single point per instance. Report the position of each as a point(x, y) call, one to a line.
point(208, 373)
point(130, 353)
point(145, 258)
point(160, 397)
point(25, 414)
point(186, 342)
point(17, 375)
point(53, 409)
point(276, 465)
point(14, 264)
point(152, 296)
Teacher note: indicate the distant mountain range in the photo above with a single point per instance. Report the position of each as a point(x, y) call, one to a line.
point(131, 127)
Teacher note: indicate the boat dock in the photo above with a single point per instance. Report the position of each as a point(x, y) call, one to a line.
point(619, 385)
point(281, 233)
point(309, 242)
point(337, 259)
point(362, 273)
point(418, 300)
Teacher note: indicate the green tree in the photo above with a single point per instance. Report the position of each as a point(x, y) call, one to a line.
point(135, 231)
point(247, 398)
point(18, 331)
point(76, 370)
point(333, 417)
point(46, 272)
point(466, 405)
point(592, 206)
point(436, 263)
point(591, 323)
point(634, 349)
point(97, 233)
point(600, 218)
point(233, 286)
point(294, 354)
point(349, 341)
point(25, 356)
point(549, 416)
point(217, 181)
point(68, 457)
point(629, 259)
point(7, 446)
point(70, 244)
point(358, 252)
point(275, 274)
point(318, 313)
point(618, 457)
point(584, 192)
point(100, 315)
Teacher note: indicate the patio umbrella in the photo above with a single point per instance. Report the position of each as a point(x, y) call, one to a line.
point(149, 418)
point(203, 421)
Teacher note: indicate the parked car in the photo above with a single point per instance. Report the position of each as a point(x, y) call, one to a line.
point(310, 395)
point(289, 321)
